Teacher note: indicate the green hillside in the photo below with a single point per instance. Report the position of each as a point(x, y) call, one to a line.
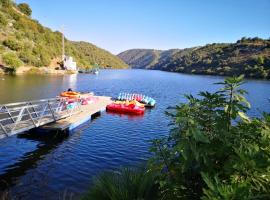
point(249, 56)
point(25, 42)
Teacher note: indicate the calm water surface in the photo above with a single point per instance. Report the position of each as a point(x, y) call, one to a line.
point(41, 168)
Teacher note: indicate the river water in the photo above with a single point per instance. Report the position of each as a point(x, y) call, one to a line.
point(49, 167)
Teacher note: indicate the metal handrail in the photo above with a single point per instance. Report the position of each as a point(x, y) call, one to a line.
point(16, 117)
point(35, 106)
point(33, 101)
point(23, 115)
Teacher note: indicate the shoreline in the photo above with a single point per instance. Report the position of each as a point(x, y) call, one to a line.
point(38, 70)
point(27, 70)
point(205, 74)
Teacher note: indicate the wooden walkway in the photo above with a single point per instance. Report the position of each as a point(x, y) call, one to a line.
point(86, 114)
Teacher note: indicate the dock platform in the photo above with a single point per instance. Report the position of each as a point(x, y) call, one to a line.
point(87, 112)
point(50, 114)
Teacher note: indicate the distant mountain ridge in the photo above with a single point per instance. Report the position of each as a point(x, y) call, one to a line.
point(25, 42)
point(144, 58)
point(249, 56)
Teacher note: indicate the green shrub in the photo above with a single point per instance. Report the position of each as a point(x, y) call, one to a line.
point(43, 55)
point(128, 184)
point(3, 20)
point(13, 14)
point(13, 44)
point(227, 68)
point(34, 70)
point(45, 59)
point(2, 48)
point(5, 3)
point(25, 8)
point(12, 60)
point(260, 60)
point(28, 58)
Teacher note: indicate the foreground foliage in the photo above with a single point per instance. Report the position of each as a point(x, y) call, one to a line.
point(214, 151)
point(126, 184)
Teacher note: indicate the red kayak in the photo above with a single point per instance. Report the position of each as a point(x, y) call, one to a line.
point(122, 108)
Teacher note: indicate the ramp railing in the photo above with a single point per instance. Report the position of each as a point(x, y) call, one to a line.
point(19, 117)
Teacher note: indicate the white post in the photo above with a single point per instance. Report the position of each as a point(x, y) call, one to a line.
point(63, 43)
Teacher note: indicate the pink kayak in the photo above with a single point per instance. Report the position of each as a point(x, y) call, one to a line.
point(122, 108)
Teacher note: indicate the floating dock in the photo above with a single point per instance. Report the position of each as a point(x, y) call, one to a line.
point(48, 114)
point(87, 112)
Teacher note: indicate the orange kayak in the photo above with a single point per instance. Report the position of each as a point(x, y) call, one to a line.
point(130, 102)
point(70, 94)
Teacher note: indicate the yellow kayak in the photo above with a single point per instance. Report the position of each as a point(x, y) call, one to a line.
point(130, 102)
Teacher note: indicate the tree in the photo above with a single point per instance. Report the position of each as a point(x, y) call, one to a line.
point(243, 39)
point(25, 8)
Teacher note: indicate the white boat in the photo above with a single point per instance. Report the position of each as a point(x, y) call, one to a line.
point(96, 71)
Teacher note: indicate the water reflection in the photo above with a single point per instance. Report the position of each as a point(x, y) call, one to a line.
point(29, 87)
point(70, 81)
point(129, 117)
point(29, 160)
point(48, 141)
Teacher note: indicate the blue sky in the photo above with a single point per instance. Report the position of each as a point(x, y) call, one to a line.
point(118, 25)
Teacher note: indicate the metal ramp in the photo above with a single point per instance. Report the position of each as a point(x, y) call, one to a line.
point(16, 118)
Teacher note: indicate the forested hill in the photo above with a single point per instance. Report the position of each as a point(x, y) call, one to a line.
point(25, 42)
point(249, 56)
